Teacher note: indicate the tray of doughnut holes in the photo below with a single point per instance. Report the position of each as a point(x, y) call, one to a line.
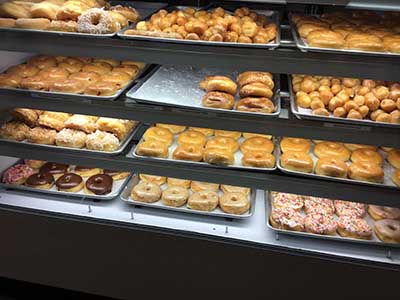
point(354, 163)
point(84, 18)
point(346, 100)
point(333, 219)
point(242, 27)
point(204, 146)
point(62, 179)
point(353, 32)
point(187, 196)
point(74, 132)
point(211, 89)
point(72, 77)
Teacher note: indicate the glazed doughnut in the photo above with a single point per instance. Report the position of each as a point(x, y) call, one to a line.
point(160, 180)
point(366, 155)
point(42, 61)
point(287, 219)
point(388, 230)
point(109, 61)
point(28, 23)
point(297, 161)
point(227, 133)
point(218, 100)
point(197, 186)
point(86, 172)
point(383, 212)
point(205, 200)
point(234, 203)
point(100, 184)
point(192, 137)
point(147, 192)
point(72, 65)
point(36, 83)
point(175, 196)
point(219, 83)
point(178, 182)
point(258, 159)
point(256, 89)
point(355, 209)
point(206, 131)
point(17, 174)
point(10, 81)
point(396, 177)
point(34, 164)
point(101, 88)
point(175, 129)
point(256, 105)
point(318, 205)
point(247, 135)
point(116, 175)
point(332, 149)
point(394, 158)
point(319, 223)
point(218, 156)
point(23, 70)
point(223, 143)
point(132, 71)
point(252, 77)
point(43, 181)
point(159, 134)
point(282, 200)
point(295, 144)
point(119, 78)
point(331, 166)
point(71, 86)
point(352, 227)
point(235, 189)
point(7, 22)
point(70, 182)
point(353, 147)
point(152, 148)
point(257, 144)
point(366, 171)
point(85, 77)
point(191, 152)
point(54, 73)
point(128, 12)
point(100, 68)
point(97, 21)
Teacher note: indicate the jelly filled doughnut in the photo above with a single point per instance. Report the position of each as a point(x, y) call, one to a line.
point(100, 184)
point(69, 182)
point(234, 203)
point(175, 196)
point(287, 218)
point(17, 174)
point(388, 230)
point(383, 212)
point(54, 169)
point(43, 181)
point(353, 227)
point(147, 192)
point(206, 200)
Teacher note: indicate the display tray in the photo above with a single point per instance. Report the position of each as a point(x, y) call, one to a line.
point(180, 88)
point(387, 168)
point(125, 196)
point(374, 241)
point(118, 185)
point(303, 46)
point(305, 113)
point(272, 15)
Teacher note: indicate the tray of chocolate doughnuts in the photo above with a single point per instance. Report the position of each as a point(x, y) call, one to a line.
point(211, 25)
point(194, 197)
point(207, 147)
point(62, 179)
point(353, 163)
point(345, 100)
point(210, 89)
point(347, 32)
point(313, 217)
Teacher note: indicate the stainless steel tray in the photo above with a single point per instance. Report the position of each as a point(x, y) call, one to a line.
point(303, 46)
point(387, 168)
point(238, 157)
point(305, 113)
point(374, 241)
point(273, 16)
point(180, 88)
point(116, 189)
point(125, 196)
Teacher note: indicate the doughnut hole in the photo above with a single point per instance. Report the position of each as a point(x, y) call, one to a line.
point(373, 103)
point(340, 112)
point(362, 90)
point(360, 100)
point(351, 82)
point(381, 92)
point(303, 101)
point(326, 96)
point(364, 110)
point(354, 114)
point(325, 82)
point(398, 103)
point(336, 81)
point(296, 87)
point(321, 112)
point(307, 86)
point(317, 103)
point(394, 94)
point(336, 88)
point(369, 83)
point(388, 105)
point(384, 118)
point(343, 95)
point(334, 103)
point(395, 117)
point(349, 105)
point(375, 114)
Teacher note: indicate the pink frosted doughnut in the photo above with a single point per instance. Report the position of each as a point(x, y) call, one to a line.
point(287, 200)
point(318, 205)
point(287, 218)
point(320, 223)
point(352, 227)
point(349, 208)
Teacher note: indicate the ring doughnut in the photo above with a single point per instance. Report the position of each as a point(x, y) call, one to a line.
point(383, 212)
point(192, 137)
point(388, 230)
point(218, 100)
point(366, 171)
point(295, 144)
point(349, 208)
point(223, 143)
point(227, 133)
point(147, 192)
point(292, 201)
point(297, 161)
point(394, 158)
point(191, 152)
point(247, 135)
point(258, 159)
point(159, 134)
point(160, 180)
point(234, 203)
point(178, 182)
point(319, 223)
point(175, 129)
point(331, 166)
point(257, 144)
point(366, 155)
point(175, 196)
point(206, 200)
point(96, 21)
point(206, 131)
point(332, 149)
point(353, 227)
point(235, 189)
point(198, 186)
point(353, 147)
point(287, 218)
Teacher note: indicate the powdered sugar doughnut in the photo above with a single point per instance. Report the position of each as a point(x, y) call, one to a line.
point(356, 228)
point(287, 200)
point(344, 208)
point(97, 21)
point(320, 223)
point(287, 218)
point(318, 205)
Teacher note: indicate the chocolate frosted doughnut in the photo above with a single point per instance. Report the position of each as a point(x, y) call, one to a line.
point(69, 181)
point(54, 169)
point(100, 184)
point(40, 180)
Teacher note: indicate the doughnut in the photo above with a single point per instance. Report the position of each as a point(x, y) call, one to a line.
point(198, 186)
point(366, 171)
point(116, 175)
point(72, 65)
point(318, 205)
point(120, 19)
point(354, 209)
point(10, 81)
point(366, 155)
point(256, 89)
point(14, 130)
point(7, 22)
point(43, 181)
point(132, 71)
point(297, 161)
point(256, 105)
point(99, 68)
point(192, 137)
point(295, 144)
point(15, 10)
point(102, 141)
point(99, 184)
point(218, 100)
point(54, 120)
point(97, 21)
point(86, 77)
point(258, 159)
point(152, 148)
point(332, 149)
point(383, 212)
point(319, 223)
point(147, 192)
point(82, 122)
point(101, 88)
point(190, 152)
point(235, 189)
point(28, 116)
point(226, 133)
point(175, 196)
point(128, 12)
point(206, 131)
point(86, 171)
point(64, 26)
point(282, 200)
point(394, 158)
point(388, 230)
point(247, 135)
point(41, 135)
point(138, 64)
point(111, 62)
point(71, 138)
point(36, 83)
point(353, 147)
point(175, 129)
point(234, 203)
point(396, 177)
point(252, 77)
point(17, 174)
point(206, 200)
point(257, 144)
point(33, 163)
point(218, 156)
point(119, 78)
point(353, 227)
point(219, 83)
point(160, 180)
point(178, 182)
point(42, 61)
point(287, 219)
point(159, 134)
point(55, 169)
point(331, 166)
point(69, 182)
point(23, 70)
point(223, 143)
point(29, 23)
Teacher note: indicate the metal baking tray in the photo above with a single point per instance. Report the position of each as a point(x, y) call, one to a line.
point(387, 169)
point(125, 196)
point(305, 113)
point(273, 16)
point(303, 46)
point(118, 185)
point(374, 241)
point(238, 157)
point(180, 88)
point(121, 148)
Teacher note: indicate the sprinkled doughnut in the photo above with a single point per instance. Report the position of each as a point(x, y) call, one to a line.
point(344, 208)
point(321, 205)
point(287, 218)
point(352, 227)
point(320, 223)
point(288, 200)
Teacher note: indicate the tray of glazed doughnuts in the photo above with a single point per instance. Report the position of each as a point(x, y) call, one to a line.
point(204, 146)
point(352, 32)
point(339, 220)
point(345, 100)
point(242, 27)
point(72, 77)
point(187, 196)
point(210, 89)
point(72, 132)
point(63, 179)
point(354, 163)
